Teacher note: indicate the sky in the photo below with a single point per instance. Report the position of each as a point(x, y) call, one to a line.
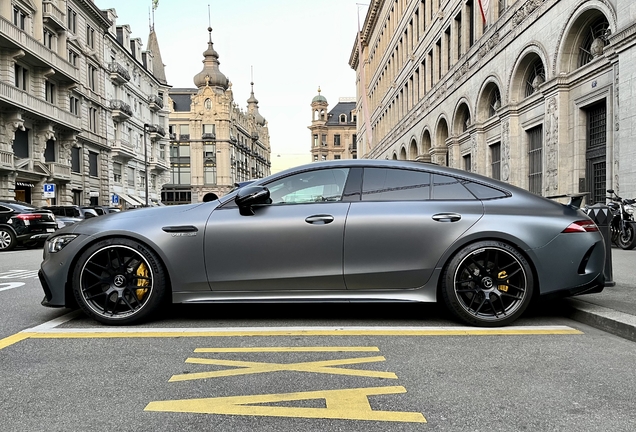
point(289, 47)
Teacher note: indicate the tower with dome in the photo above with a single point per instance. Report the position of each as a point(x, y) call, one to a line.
point(333, 132)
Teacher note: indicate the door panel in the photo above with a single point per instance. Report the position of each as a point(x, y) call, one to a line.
point(396, 244)
point(281, 247)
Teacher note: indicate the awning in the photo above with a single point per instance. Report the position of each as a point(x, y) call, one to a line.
point(23, 184)
point(142, 201)
point(130, 200)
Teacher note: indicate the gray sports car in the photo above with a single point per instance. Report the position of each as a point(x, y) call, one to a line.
point(355, 230)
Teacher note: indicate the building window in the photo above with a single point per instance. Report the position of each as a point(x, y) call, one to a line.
point(336, 140)
point(315, 140)
point(343, 118)
point(467, 163)
point(21, 77)
point(494, 103)
point(72, 57)
point(180, 164)
point(49, 91)
point(130, 180)
point(324, 140)
point(535, 159)
point(71, 20)
point(73, 105)
point(162, 151)
point(21, 143)
point(594, 42)
point(19, 18)
point(495, 161)
point(142, 178)
point(336, 157)
point(49, 39)
point(116, 172)
point(75, 159)
point(92, 164)
point(90, 37)
point(315, 158)
point(92, 119)
point(49, 151)
point(535, 78)
point(92, 77)
point(184, 131)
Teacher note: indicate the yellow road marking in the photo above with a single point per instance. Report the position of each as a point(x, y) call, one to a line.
point(247, 367)
point(8, 341)
point(284, 349)
point(349, 404)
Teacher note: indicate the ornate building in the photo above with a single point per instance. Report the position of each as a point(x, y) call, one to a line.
point(66, 102)
point(213, 143)
point(333, 133)
point(536, 95)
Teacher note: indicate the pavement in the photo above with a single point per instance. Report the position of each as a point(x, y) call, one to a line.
point(614, 309)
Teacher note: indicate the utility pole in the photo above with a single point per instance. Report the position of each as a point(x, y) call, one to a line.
point(146, 126)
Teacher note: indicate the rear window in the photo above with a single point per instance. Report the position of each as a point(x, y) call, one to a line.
point(484, 192)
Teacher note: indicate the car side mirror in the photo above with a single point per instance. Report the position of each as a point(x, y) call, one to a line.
point(249, 196)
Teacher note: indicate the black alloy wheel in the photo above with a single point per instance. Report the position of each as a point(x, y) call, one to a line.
point(488, 284)
point(119, 281)
point(7, 239)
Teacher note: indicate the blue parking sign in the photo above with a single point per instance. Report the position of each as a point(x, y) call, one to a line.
point(49, 187)
point(115, 199)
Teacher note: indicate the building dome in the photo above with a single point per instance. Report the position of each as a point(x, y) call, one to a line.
point(211, 75)
point(319, 98)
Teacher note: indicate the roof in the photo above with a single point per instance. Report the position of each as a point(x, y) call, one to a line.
point(341, 108)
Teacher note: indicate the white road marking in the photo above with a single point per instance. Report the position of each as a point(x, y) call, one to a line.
point(10, 285)
point(19, 274)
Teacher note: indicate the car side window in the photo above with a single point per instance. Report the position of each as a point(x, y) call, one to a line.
point(390, 184)
point(326, 185)
point(449, 188)
point(4, 209)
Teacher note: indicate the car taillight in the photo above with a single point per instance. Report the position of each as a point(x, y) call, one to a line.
point(27, 216)
point(581, 226)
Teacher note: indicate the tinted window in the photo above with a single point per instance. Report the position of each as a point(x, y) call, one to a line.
point(387, 184)
point(449, 188)
point(4, 209)
point(484, 192)
point(311, 186)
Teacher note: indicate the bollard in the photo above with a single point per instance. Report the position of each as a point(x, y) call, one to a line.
point(602, 217)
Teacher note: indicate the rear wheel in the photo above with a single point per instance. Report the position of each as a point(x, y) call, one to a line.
point(488, 284)
point(7, 239)
point(119, 281)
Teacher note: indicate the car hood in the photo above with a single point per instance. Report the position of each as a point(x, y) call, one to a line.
point(125, 220)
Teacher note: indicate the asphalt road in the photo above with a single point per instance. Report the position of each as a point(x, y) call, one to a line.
point(303, 367)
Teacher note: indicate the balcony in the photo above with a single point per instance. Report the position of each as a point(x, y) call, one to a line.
point(156, 132)
point(155, 103)
point(6, 160)
point(173, 137)
point(59, 171)
point(118, 73)
point(123, 149)
point(184, 137)
point(121, 110)
point(17, 39)
point(158, 164)
point(208, 136)
point(52, 15)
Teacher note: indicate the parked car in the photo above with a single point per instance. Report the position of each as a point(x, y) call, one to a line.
point(346, 230)
point(100, 210)
point(71, 214)
point(23, 224)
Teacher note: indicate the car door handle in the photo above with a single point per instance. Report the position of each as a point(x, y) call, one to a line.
point(447, 217)
point(319, 219)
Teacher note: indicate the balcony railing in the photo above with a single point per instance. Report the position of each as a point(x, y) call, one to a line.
point(122, 148)
point(53, 15)
point(6, 160)
point(155, 102)
point(34, 47)
point(208, 136)
point(118, 73)
point(184, 137)
point(121, 110)
point(13, 96)
point(173, 137)
point(156, 132)
point(59, 171)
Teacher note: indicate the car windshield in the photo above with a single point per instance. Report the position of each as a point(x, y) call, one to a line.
point(23, 207)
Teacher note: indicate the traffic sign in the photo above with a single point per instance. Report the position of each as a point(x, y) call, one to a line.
point(115, 199)
point(49, 190)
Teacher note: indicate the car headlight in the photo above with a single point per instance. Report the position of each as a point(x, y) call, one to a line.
point(629, 209)
point(58, 243)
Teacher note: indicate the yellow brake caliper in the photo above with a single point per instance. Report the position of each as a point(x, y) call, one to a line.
point(501, 276)
point(142, 271)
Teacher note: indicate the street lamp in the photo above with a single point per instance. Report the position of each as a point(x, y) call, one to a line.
point(146, 126)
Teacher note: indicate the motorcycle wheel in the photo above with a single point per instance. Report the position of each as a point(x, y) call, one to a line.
point(627, 240)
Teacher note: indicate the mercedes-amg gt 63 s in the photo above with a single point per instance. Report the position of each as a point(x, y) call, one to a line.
point(355, 230)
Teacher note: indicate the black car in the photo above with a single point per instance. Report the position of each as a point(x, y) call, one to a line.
point(23, 224)
point(70, 214)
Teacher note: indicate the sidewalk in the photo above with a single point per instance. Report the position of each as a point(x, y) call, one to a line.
point(614, 309)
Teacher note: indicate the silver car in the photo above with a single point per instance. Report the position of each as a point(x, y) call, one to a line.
point(355, 230)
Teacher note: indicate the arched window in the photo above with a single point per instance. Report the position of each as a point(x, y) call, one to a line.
point(594, 42)
point(494, 102)
point(535, 77)
point(343, 118)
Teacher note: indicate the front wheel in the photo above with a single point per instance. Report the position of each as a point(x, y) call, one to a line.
point(119, 281)
point(487, 284)
point(627, 237)
point(7, 239)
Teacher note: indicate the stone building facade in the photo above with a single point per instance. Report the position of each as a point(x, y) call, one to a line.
point(538, 94)
point(68, 78)
point(333, 132)
point(213, 142)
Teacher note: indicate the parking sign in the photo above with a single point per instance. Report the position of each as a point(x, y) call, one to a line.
point(49, 190)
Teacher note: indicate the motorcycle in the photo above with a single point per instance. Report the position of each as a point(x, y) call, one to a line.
point(623, 226)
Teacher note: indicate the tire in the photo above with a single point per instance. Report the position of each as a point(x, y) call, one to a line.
point(7, 239)
point(627, 241)
point(487, 284)
point(119, 281)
